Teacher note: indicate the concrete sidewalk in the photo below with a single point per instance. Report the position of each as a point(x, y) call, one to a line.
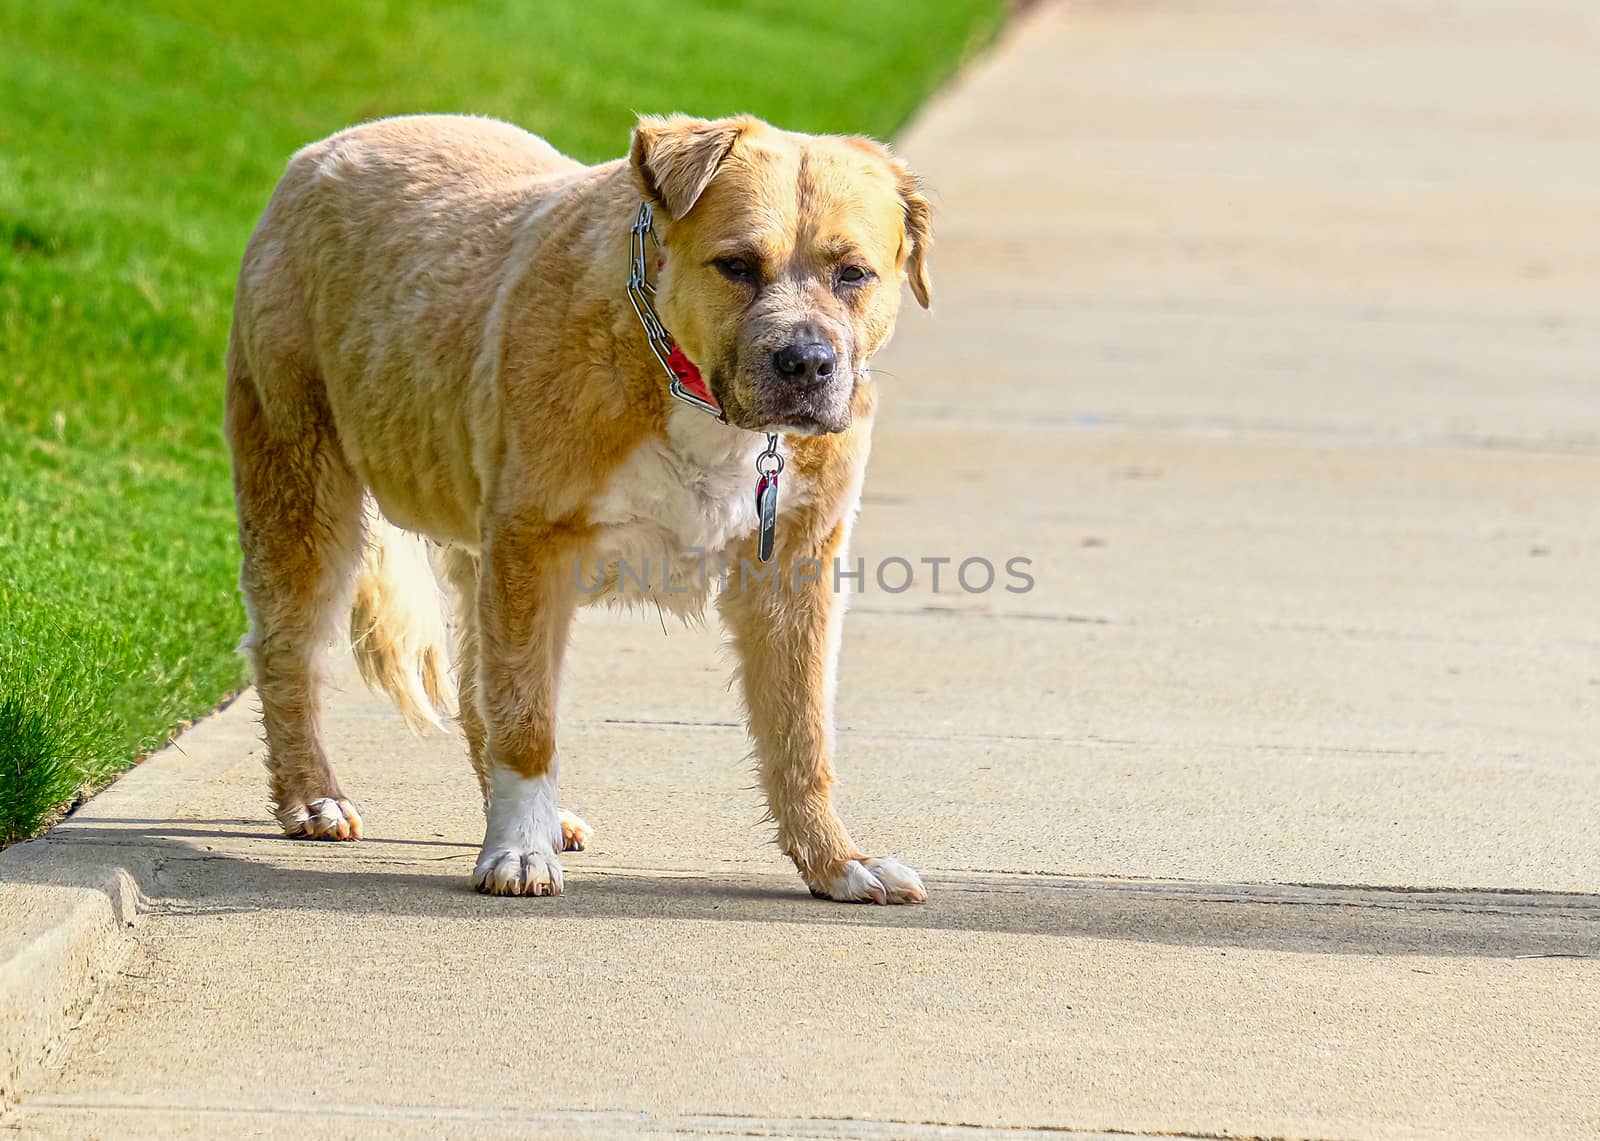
point(1267, 332)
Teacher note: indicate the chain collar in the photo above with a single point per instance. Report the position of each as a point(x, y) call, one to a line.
point(685, 381)
point(684, 378)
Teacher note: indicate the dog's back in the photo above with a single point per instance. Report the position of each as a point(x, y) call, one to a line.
point(357, 292)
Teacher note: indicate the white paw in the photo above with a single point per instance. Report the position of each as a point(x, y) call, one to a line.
point(522, 834)
point(882, 879)
point(507, 871)
point(323, 819)
point(575, 832)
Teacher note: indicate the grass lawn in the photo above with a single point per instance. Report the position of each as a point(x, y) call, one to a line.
point(138, 143)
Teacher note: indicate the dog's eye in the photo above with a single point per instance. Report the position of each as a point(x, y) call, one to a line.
point(741, 270)
point(854, 274)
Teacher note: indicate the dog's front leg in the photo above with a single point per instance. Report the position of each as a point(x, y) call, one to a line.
point(785, 628)
point(526, 599)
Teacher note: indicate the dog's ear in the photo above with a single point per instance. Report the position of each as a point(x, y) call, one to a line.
point(919, 231)
point(918, 235)
point(675, 158)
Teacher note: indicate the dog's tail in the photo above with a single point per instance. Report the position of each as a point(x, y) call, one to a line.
point(397, 626)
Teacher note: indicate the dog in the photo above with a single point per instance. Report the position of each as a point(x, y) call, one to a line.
point(460, 357)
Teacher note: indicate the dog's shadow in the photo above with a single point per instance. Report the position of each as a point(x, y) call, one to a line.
point(177, 872)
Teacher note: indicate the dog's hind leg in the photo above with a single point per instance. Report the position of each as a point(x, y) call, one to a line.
point(300, 531)
point(461, 569)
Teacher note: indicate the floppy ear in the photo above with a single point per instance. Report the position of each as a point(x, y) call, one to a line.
point(919, 231)
point(675, 158)
point(918, 217)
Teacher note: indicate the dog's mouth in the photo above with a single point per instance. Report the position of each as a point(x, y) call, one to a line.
point(766, 403)
point(806, 418)
point(799, 413)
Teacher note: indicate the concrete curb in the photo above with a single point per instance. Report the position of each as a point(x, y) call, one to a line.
point(65, 925)
point(67, 908)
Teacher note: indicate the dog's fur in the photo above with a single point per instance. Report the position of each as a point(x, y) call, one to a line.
point(434, 367)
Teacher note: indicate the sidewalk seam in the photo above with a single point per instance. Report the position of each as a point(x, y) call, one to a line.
point(703, 1124)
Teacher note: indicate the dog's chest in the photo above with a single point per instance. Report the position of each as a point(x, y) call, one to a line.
point(672, 508)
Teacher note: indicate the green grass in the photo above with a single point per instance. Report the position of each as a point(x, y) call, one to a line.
point(139, 142)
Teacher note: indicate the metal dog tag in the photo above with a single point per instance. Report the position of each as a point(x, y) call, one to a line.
point(767, 510)
point(768, 466)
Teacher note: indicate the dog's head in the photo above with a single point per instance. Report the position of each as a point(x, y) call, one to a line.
point(784, 256)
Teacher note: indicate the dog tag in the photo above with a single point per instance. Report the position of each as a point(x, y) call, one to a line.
point(767, 511)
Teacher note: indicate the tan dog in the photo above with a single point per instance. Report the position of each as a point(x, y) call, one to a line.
point(435, 362)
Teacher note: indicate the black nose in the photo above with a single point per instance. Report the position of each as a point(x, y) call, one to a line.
point(805, 363)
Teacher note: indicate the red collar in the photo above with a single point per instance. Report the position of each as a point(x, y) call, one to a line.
point(688, 374)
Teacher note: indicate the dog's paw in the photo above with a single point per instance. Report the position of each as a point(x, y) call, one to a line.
point(523, 830)
point(881, 879)
point(322, 819)
point(575, 832)
point(513, 871)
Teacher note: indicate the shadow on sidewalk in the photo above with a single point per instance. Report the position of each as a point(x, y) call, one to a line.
point(178, 876)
